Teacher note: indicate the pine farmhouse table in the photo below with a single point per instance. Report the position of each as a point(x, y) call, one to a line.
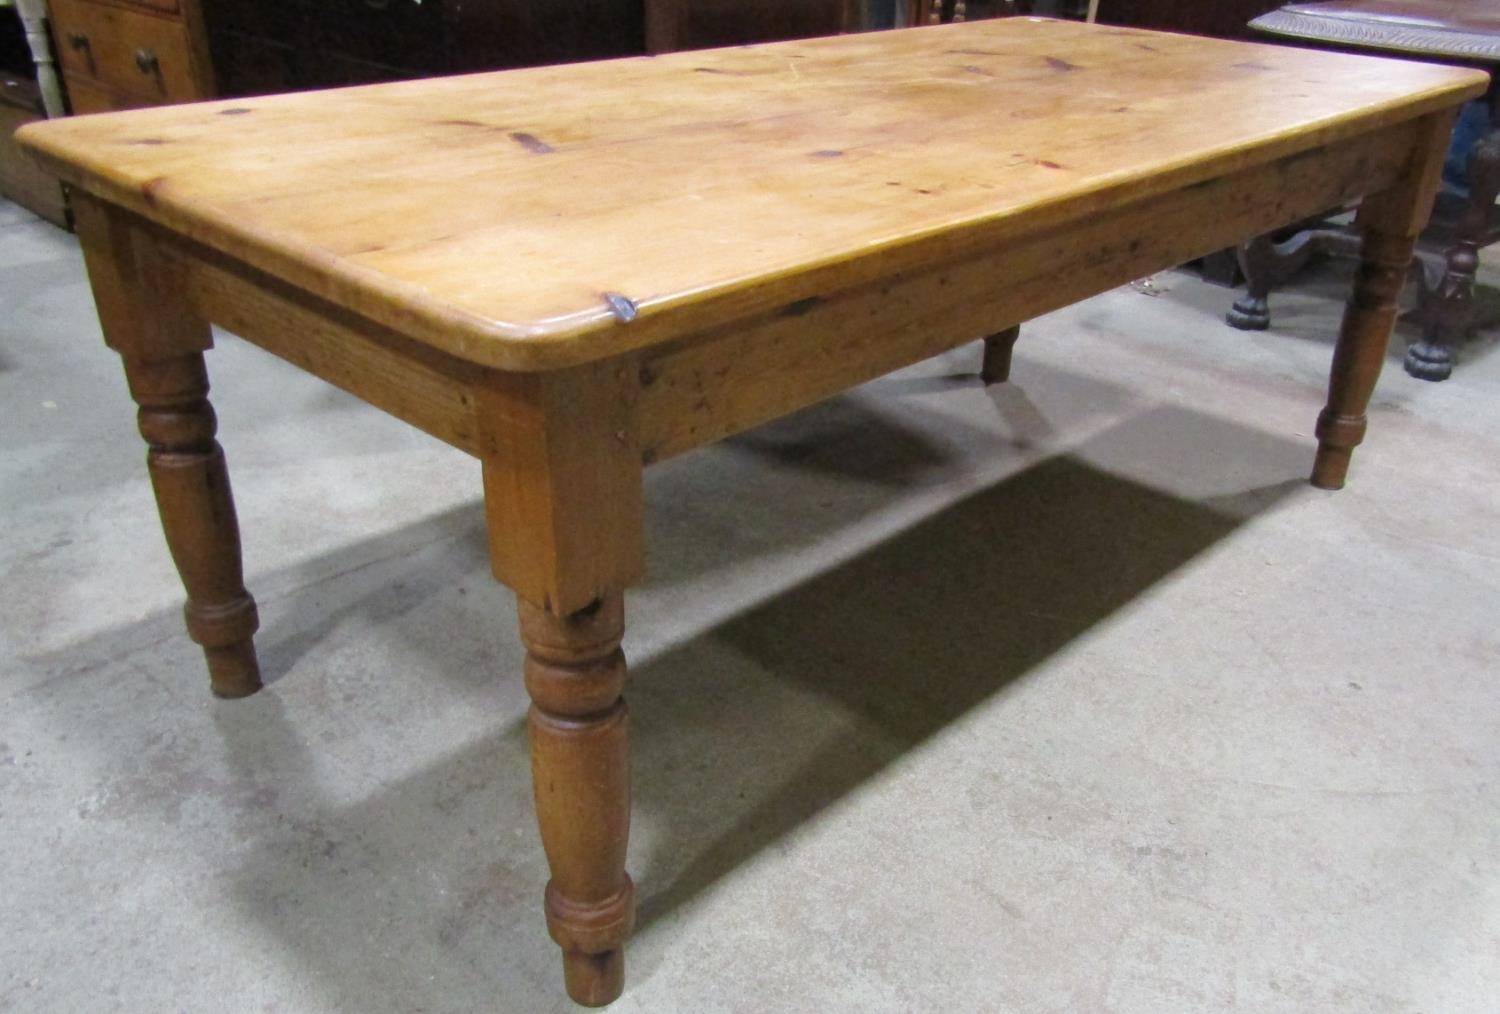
point(572, 272)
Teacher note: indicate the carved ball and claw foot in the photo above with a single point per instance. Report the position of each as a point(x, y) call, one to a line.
point(1266, 264)
point(1448, 300)
point(1249, 313)
point(1427, 360)
point(575, 674)
point(1447, 303)
point(1252, 311)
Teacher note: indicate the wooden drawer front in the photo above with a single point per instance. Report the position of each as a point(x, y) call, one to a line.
point(125, 51)
point(86, 95)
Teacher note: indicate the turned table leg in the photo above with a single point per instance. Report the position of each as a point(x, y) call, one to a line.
point(1360, 352)
point(997, 352)
point(1388, 223)
point(147, 320)
point(197, 515)
point(575, 674)
point(562, 489)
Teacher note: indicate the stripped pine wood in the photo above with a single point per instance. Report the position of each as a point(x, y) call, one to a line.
point(494, 216)
point(571, 272)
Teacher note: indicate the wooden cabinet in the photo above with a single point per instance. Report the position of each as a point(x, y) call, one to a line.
point(1225, 19)
point(121, 54)
point(20, 178)
point(28, 92)
point(699, 24)
point(294, 44)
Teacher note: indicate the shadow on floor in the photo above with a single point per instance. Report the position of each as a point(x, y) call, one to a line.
point(747, 731)
point(778, 471)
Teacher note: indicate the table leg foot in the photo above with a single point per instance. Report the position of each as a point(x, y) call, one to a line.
point(997, 354)
point(594, 980)
point(575, 674)
point(233, 671)
point(1331, 467)
point(191, 483)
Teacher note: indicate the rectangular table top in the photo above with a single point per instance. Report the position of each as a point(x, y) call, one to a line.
point(540, 218)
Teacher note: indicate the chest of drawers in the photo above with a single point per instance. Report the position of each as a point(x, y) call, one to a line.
point(290, 45)
point(121, 54)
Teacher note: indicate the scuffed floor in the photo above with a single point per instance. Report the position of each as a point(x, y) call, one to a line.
point(1065, 695)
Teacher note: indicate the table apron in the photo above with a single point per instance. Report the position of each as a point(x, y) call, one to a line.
point(429, 389)
point(701, 390)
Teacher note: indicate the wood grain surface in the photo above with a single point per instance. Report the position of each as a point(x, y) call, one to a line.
point(542, 218)
point(575, 271)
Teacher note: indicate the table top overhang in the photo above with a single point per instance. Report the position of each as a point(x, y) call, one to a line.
point(539, 218)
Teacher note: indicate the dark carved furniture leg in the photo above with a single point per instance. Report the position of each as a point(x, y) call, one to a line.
point(1267, 264)
point(997, 352)
point(1222, 267)
point(161, 339)
point(1449, 303)
point(191, 483)
point(575, 673)
point(1252, 311)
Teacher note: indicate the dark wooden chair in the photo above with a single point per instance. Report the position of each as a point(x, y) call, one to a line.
point(1448, 253)
point(1445, 263)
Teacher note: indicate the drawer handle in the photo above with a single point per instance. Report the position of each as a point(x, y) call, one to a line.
point(79, 43)
point(146, 62)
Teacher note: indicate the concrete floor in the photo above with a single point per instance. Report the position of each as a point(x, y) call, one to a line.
point(1067, 695)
